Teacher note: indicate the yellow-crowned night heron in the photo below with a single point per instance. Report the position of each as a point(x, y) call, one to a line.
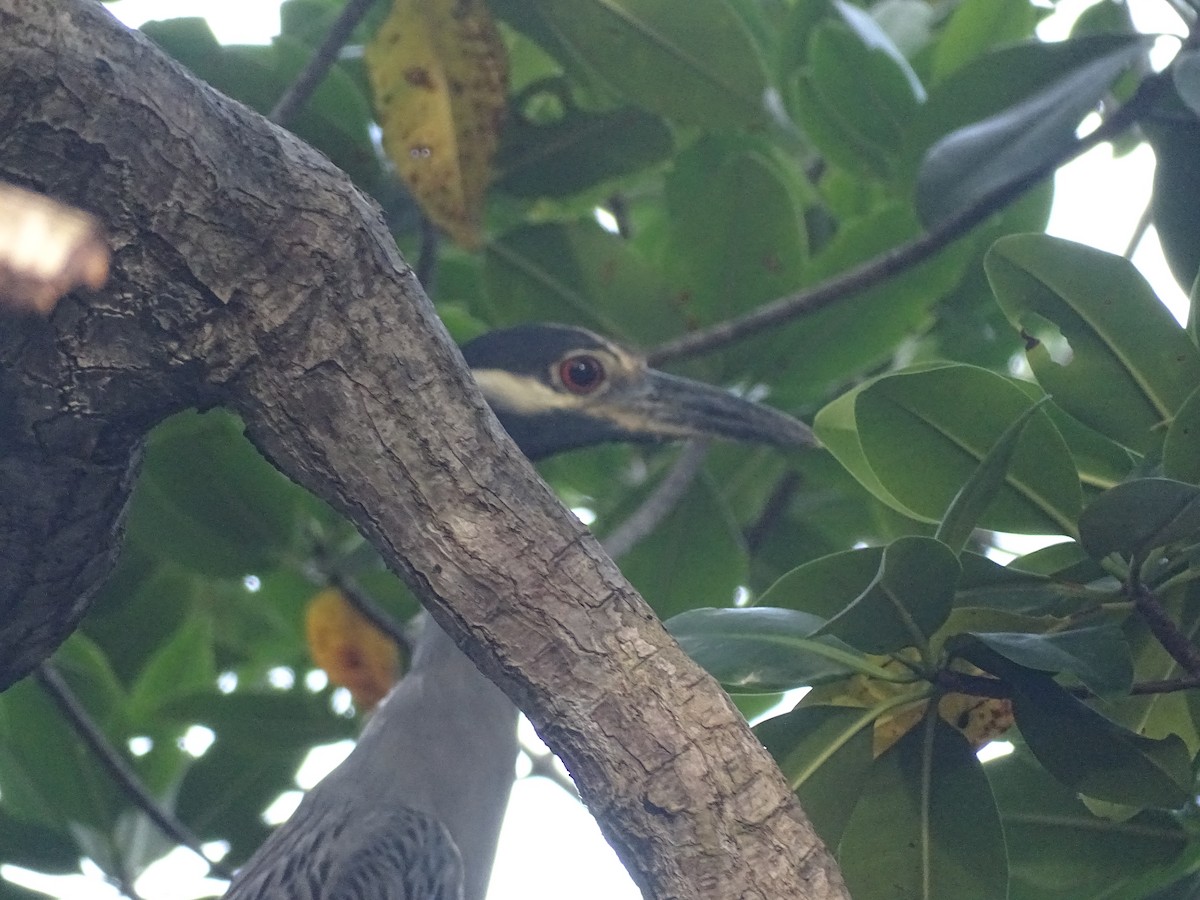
point(431, 773)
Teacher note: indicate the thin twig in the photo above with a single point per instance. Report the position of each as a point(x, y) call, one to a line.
point(1174, 641)
point(371, 611)
point(995, 689)
point(1139, 232)
point(618, 206)
point(772, 511)
point(907, 255)
point(117, 768)
point(661, 501)
point(427, 256)
point(319, 64)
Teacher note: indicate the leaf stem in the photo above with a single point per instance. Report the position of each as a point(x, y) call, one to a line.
point(117, 768)
point(868, 716)
point(319, 64)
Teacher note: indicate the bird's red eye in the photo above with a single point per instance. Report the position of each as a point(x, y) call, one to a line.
point(581, 374)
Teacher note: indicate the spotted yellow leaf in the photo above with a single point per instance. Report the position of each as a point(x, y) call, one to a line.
point(354, 653)
point(439, 72)
point(979, 719)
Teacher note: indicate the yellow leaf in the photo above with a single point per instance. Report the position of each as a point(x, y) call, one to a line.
point(439, 73)
point(354, 653)
point(980, 719)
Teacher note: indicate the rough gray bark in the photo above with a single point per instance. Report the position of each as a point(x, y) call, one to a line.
point(249, 272)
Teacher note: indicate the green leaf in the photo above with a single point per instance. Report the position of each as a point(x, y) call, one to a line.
point(1086, 751)
point(578, 151)
point(1126, 366)
point(1022, 140)
point(973, 497)
point(844, 340)
point(761, 649)
point(33, 846)
point(926, 824)
point(208, 501)
point(577, 274)
point(1066, 561)
point(1181, 450)
point(1098, 656)
point(1174, 133)
point(913, 439)
point(1089, 854)
point(40, 756)
point(185, 664)
point(979, 25)
point(336, 119)
point(824, 752)
point(826, 586)
point(987, 585)
point(702, 68)
point(735, 229)
point(1140, 515)
point(695, 557)
point(857, 93)
point(907, 601)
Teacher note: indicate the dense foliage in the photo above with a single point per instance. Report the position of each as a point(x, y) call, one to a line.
point(862, 570)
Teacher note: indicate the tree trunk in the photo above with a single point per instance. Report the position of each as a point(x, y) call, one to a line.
point(249, 272)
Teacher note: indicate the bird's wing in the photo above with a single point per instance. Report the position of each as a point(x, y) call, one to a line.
point(398, 854)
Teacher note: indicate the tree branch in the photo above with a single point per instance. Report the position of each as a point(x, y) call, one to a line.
point(904, 256)
point(252, 273)
point(117, 768)
point(1165, 631)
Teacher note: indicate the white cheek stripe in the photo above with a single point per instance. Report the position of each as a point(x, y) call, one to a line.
point(529, 396)
point(521, 395)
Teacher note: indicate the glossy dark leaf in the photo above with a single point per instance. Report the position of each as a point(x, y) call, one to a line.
point(980, 489)
point(926, 824)
point(973, 162)
point(907, 601)
point(826, 586)
point(1086, 751)
point(1098, 656)
point(1174, 133)
point(578, 151)
point(762, 649)
point(1140, 515)
point(913, 438)
point(1096, 337)
point(1058, 850)
point(1181, 450)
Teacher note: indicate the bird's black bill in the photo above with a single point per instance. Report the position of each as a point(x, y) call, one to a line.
point(662, 407)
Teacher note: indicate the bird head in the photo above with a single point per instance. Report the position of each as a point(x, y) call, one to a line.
point(556, 388)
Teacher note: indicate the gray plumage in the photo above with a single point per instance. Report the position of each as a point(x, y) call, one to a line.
point(340, 852)
point(429, 777)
